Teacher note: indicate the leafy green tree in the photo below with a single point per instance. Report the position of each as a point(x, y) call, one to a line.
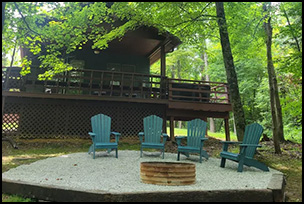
point(53, 30)
point(183, 63)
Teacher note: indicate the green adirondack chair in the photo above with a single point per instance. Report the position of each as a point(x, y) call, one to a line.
point(248, 147)
point(151, 137)
point(196, 130)
point(101, 132)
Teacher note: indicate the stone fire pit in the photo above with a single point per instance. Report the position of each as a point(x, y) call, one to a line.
point(167, 173)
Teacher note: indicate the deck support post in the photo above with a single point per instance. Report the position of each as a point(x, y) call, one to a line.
point(163, 61)
point(206, 120)
point(172, 128)
point(227, 132)
point(163, 71)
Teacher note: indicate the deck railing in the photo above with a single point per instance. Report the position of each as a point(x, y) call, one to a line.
point(102, 83)
point(199, 91)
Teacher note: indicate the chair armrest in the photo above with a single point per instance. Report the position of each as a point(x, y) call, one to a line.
point(165, 137)
point(202, 141)
point(117, 135)
point(141, 136)
point(250, 145)
point(226, 143)
point(244, 147)
point(230, 142)
point(179, 139)
point(92, 134)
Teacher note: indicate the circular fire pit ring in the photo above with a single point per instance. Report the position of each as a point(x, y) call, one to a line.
point(167, 173)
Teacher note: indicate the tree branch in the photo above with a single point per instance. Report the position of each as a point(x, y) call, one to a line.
point(291, 30)
point(23, 18)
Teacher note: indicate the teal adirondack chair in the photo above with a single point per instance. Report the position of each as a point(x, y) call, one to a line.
point(101, 132)
point(248, 147)
point(196, 130)
point(152, 134)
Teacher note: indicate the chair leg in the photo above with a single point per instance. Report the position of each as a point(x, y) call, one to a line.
point(186, 154)
point(256, 164)
point(240, 166)
point(94, 147)
point(116, 153)
point(204, 154)
point(163, 153)
point(178, 154)
point(223, 162)
point(201, 155)
point(90, 149)
point(241, 162)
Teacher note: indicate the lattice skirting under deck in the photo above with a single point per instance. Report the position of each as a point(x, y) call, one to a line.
point(29, 118)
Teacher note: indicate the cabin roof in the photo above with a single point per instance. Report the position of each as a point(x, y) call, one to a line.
point(144, 41)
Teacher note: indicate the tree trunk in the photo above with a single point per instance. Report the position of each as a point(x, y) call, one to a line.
point(205, 58)
point(235, 98)
point(179, 124)
point(234, 127)
point(173, 72)
point(276, 112)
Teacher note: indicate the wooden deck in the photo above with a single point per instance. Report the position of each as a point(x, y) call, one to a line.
point(140, 94)
point(120, 86)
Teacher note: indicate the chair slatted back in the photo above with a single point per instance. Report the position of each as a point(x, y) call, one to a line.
point(252, 135)
point(196, 129)
point(153, 128)
point(101, 126)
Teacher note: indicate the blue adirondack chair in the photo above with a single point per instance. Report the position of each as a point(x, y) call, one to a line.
point(101, 132)
point(152, 134)
point(248, 148)
point(196, 130)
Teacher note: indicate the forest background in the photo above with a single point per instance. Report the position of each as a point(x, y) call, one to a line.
point(199, 57)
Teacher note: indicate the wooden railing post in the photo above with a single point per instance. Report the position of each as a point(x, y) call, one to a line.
point(91, 82)
point(200, 93)
point(132, 84)
point(121, 84)
point(170, 90)
point(101, 84)
point(111, 83)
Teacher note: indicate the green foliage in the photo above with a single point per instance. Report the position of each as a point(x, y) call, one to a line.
point(52, 30)
point(184, 63)
point(15, 198)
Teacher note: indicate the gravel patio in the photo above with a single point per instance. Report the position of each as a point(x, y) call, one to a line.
point(111, 179)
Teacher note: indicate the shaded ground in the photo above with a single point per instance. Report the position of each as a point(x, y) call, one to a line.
point(290, 162)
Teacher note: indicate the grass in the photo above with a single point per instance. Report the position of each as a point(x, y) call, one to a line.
point(15, 198)
point(218, 135)
point(290, 162)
